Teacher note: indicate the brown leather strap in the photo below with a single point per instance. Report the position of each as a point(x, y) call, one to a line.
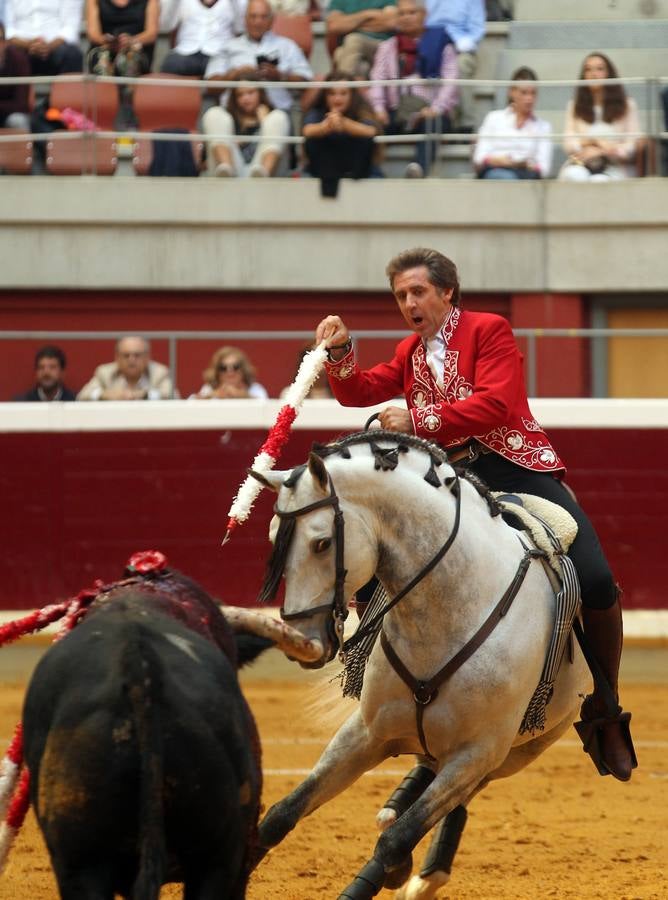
point(424, 692)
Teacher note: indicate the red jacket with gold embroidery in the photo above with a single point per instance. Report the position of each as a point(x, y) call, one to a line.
point(483, 394)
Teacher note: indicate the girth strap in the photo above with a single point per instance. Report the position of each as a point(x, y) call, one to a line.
point(424, 692)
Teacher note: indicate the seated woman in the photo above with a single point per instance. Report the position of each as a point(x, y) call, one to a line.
point(248, 112)
point(601, 126)
point(230, 375)
point(122, 34)
point(339, 129)
point(513, 143)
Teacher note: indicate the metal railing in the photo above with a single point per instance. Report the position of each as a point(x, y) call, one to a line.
point(654, 131)
point(533, 337)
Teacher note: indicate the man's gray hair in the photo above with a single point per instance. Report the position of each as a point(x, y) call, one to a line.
point(136, 337)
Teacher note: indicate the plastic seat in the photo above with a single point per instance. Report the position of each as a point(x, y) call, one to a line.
point(166, 106)
point(81, 156)
point(15, 156)
point(98, 101)
point(299, 28)
point(158, 106)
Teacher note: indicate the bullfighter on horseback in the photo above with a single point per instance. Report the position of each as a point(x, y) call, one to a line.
point(461, 373)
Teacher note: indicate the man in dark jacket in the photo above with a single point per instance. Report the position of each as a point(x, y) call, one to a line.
point(50, 364)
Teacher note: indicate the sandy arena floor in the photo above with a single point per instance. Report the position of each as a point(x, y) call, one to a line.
point(555, 830)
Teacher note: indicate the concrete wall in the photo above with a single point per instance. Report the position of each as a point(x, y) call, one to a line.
point(135, 233)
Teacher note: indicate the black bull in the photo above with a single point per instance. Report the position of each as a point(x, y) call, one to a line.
point(144, 757)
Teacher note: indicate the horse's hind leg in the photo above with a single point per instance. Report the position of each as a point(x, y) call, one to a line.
point(437, 865)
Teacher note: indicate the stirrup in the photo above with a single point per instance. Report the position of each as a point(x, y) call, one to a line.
point(590, 732)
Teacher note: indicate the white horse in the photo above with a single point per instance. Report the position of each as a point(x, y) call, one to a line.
point(387, 504)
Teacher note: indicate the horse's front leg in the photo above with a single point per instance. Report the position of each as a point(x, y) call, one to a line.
point(351, 752)
point(453, 787)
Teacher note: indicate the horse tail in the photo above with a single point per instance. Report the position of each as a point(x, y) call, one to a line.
point(144, 685)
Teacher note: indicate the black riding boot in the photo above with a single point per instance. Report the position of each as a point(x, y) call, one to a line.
point(606, 726)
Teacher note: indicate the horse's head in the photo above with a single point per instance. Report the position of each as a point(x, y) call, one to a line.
point(323, 557)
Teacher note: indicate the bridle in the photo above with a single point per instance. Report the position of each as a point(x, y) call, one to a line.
point(337, 607)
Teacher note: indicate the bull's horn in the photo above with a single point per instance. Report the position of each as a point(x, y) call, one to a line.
point(286, 638)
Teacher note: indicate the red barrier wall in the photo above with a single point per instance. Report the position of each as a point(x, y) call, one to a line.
point(128, 313)
point(76, 505)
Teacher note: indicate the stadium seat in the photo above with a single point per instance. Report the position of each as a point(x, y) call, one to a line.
point(166, 106)
point(98, 101)
point(299, 28)
point(15, 156)
point(162, 107)
point(90, 155)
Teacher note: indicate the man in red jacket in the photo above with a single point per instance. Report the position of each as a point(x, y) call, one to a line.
point(461, 373)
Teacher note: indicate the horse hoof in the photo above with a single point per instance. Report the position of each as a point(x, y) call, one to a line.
point(396, 877)
point(422, 888)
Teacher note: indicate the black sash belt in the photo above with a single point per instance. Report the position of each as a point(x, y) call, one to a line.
point(424, 692)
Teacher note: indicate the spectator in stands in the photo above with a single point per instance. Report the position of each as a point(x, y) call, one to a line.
point(513, 143)
point(260, 53)
point(132, 376)
point(248, 112)
point(339, 130)
point(320, 389)
point(50, 365)
point(415, 52)
point(48, 30)
point(601, 127)
point(360, 26)
point(14, 98)
point(230, 375)
point(122, 34)
point(204, 27)
point(464, 21)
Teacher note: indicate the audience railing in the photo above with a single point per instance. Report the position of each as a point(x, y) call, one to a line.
point(530, 338)
point(646, 89)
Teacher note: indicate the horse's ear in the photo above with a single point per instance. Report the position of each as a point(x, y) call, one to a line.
point(316, 467)
point(269, 479)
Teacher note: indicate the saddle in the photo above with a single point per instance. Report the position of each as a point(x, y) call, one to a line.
point(532, 514)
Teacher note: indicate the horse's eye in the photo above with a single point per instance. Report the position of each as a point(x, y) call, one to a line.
point(322, 545)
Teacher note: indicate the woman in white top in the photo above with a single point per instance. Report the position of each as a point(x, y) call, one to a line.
point(601, 128)
point(230, 375)
point(513, 143)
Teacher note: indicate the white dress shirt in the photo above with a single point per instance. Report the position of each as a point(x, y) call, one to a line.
point(434, 351)
point(500, 136)
point(202, 29)
point(243, 51)
point(46, 19)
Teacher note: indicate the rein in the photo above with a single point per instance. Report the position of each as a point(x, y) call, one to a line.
point(361, 633)
point(337, 607)
point(424, 692)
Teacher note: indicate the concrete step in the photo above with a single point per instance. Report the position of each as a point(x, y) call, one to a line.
point(566, 63)
point(588, 35)
point(589, 10)
point(556, 98)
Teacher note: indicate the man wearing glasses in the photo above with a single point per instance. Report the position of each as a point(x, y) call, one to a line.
point(132, 376)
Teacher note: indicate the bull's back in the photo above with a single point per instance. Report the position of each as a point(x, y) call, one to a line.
point(136, 722)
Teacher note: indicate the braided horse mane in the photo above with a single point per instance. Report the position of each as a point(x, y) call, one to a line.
point(385, 458)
